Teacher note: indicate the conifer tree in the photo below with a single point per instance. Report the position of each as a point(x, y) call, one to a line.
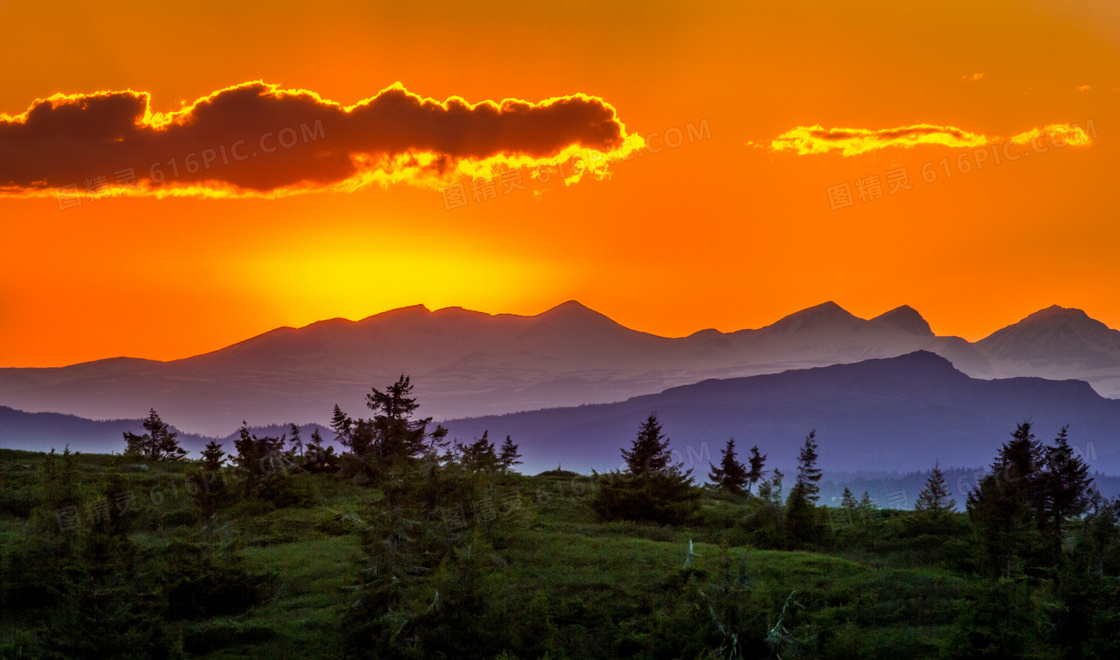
point(297, 443)
point(731, 475)
point(757, 461)
point(808, 474)
point(935, 498)
point(848, 501)
point(160, 443)
point(341, 424)
point(1068, 486)
point(396, 434)
point(650, 450)
point(479, 455)
point(509, 455)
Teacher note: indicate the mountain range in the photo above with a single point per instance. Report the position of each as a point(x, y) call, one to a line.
point(903, 413)
point(880, 415)
point(466, 363)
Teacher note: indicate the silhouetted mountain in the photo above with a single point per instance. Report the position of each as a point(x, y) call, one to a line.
point(901, 413)
point(469, 363)
point(44, 431)
point(1053, 336)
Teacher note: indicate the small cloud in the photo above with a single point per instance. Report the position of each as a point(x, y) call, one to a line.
point(974, 77)
point(1083, 88)
point(806, 140)
point(853, 141)
point(1072, 134)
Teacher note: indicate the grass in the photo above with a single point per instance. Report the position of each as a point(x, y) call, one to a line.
point(600, 580)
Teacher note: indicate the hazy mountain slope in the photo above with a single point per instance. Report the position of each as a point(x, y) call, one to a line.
point(469, 363)
point(891, 414)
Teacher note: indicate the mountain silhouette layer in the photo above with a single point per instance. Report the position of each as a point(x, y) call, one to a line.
point(470, 363)
point(903, 413)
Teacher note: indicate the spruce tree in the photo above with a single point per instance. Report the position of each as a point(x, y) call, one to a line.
point(757, 462)
point(1005, 505)
point(509, 455)
point(935, 498)
point(396, 434)
point(1068, 487)
point(731, 475)
point(650, 450)
point(160, 443)
point(341, 424)
point(848, 501)
point(297, 443)
point(807, 472)
point(479, 455)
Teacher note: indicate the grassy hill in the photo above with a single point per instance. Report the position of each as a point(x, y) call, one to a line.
point(527, 571)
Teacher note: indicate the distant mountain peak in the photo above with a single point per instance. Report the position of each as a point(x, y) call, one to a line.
point(907, 318)
point(571, 307)
point(1057, 312)
point(411, 310)
point(1056, 334)
point(825, 316)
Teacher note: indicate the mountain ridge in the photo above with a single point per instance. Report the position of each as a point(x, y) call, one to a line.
point(465, 362)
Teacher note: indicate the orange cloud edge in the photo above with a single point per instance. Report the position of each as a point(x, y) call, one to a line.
point(408, 168)
point(811, 140)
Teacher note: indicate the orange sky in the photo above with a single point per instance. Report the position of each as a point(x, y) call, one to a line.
point(724, 232)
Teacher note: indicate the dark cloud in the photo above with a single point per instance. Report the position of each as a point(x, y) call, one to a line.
point(255, 137)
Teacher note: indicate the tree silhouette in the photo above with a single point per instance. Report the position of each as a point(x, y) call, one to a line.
point(731, 475)
point(1005, 504)
point(807, 472)
point(509, 455)
point(757, 461)
point(479, 455)
point(935, 497)
point(395, 434)
point(650, 450)
point(801, 514)
point(1068, 487)
point(297, 444)
point(160, 443)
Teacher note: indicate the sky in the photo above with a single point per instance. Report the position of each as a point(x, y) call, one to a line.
point(696, 158)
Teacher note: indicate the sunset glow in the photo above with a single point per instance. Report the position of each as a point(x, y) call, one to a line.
point(669, 167)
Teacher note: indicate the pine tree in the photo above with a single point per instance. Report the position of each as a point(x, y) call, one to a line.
point(158, 444)
point(848, 501)
point(802, 520)
point(1006, 505)
point(479, 455)
point(297, 443)
point(509, 455)
point(731, 475)
point(651, 489)
point(396, 434)
point(935, 498)
point(1067, 484)
point(341, 424)
point(211, 490)
point(650, 451)
point(807, 472)
point(865, 502)
point(757, 462)
point(213, 456)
